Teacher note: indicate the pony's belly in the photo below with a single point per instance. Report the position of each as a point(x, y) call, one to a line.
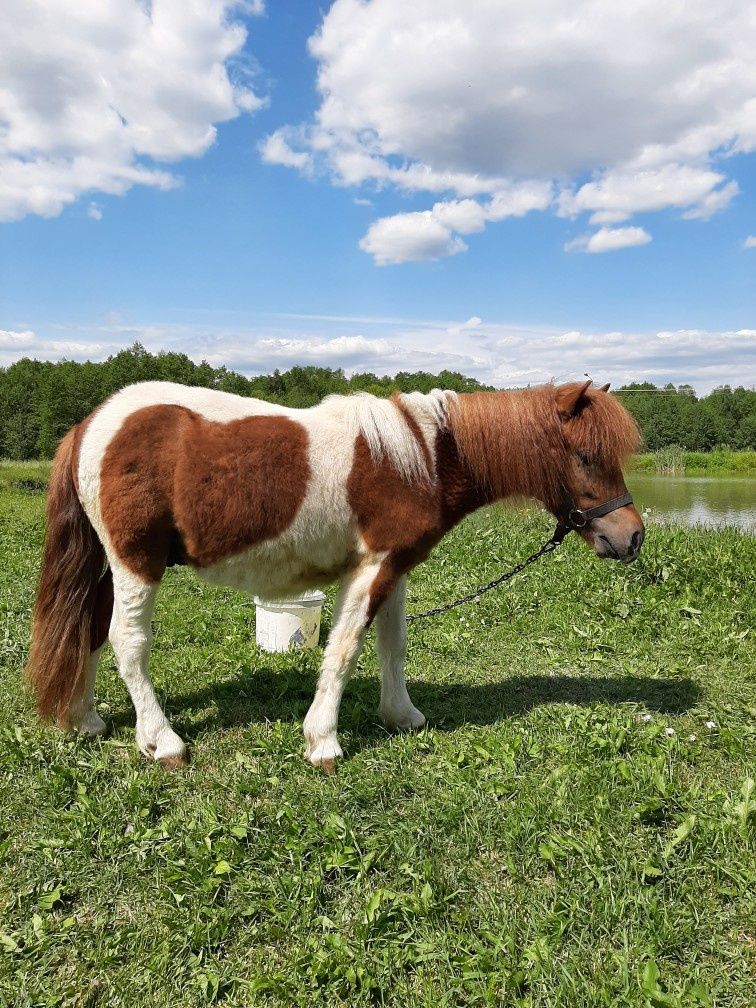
point(275, 571)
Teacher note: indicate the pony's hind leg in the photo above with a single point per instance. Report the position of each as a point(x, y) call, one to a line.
point(396, 708)
point(351, 618)
point(131, 635)
point(83, 715)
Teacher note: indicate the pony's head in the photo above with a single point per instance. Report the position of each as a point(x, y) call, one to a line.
point(598, 435)
point(563, 445)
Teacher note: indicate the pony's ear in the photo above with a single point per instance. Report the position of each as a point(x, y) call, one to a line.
point(605, 388)
point(569, 398)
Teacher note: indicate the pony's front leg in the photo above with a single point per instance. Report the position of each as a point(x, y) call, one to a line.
point(351, 617)
point(396, 708)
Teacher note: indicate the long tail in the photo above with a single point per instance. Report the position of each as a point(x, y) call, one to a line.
point(72, 564)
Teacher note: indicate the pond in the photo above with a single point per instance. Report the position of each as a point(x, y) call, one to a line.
point(693, 500)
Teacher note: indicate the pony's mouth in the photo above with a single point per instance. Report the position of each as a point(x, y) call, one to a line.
point(609, 551)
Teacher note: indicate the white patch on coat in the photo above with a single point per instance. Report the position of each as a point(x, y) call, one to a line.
point(384, 428)
point(431, 413)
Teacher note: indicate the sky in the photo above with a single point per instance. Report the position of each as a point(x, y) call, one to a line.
point(520, 190)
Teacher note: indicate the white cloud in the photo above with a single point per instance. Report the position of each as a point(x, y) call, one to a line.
point(473, 323)
point(430, 234)
point(410, 237)
point(92, 94)
point(616, 195)
point(343, 349)
point(17, 344)
point(498, 354)
point(750, 242)
point(11, 340)
point(94, 211)
point(466, 216)
point(275, 149)
point(609, 240)
point(471, 100)
point(712, 202)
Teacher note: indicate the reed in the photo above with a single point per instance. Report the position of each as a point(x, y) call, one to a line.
point(670, 461)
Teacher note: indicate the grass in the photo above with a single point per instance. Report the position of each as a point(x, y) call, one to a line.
point(720, 462)
point(27, 477)
point(545, 842)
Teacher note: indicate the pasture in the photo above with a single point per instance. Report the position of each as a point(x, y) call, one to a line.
point(575, 827)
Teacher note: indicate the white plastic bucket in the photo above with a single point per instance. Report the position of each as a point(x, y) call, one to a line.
point(288, 623)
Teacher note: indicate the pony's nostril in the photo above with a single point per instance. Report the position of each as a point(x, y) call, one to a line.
point(636, 541)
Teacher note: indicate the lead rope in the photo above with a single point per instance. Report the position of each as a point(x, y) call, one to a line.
point(548, 547)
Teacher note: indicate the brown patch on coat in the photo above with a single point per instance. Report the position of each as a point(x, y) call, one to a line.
point(404, 519)
point(175, 486)
point(136, 487)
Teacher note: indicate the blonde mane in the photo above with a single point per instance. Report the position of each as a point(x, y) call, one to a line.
point(383, 424)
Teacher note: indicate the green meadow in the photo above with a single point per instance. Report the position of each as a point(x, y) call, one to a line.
point(575, 826)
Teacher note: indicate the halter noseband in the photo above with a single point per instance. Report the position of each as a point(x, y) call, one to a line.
point(578, 518)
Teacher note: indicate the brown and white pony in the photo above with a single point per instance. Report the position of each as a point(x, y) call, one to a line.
point(272, 500)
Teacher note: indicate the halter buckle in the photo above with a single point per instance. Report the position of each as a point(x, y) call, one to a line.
point(577, 518)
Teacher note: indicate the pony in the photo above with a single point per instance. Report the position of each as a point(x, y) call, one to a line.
point(272, 500)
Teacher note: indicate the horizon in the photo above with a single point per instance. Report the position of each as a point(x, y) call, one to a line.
point(497, 192)
point(670, 388)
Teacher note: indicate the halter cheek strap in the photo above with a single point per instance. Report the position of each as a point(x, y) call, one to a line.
point(579, 518)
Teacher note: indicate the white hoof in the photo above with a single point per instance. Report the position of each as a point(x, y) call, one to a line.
point(404, 719)
point(165, 747)
point(90, 723)
point(324, 754)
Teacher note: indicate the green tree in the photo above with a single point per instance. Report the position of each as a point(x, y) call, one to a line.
point(40, 401)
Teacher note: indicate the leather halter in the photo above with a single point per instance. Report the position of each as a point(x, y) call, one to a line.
point(579, 518)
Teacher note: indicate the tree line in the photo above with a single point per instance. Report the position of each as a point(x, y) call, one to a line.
point(41, 400)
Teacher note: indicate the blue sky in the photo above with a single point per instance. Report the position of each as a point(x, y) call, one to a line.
point(486, 187)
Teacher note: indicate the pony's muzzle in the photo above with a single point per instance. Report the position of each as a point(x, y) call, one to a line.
point(619, 538)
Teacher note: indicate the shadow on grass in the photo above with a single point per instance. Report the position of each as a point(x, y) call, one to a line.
point(267, 694)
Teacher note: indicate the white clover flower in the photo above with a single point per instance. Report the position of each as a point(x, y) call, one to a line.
point(646, 718)
point(691, 738)
point(711, 724)
point(669, 731)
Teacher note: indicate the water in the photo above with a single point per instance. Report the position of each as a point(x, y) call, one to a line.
point(697, 500)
